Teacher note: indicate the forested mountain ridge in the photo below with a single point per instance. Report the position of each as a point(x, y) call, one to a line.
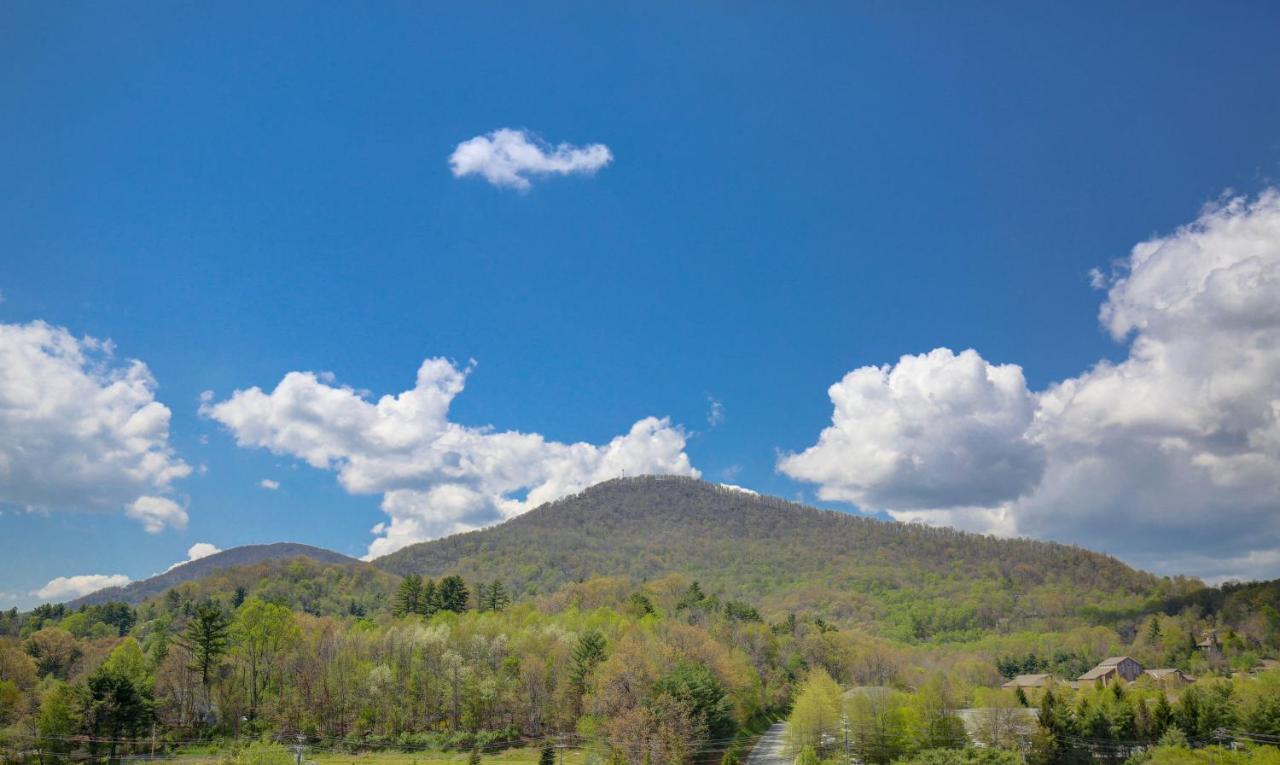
point(909, 581)
point(137, 592)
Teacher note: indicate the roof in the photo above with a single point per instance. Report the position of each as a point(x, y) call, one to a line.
point(1102, 670)
point(1163, 673)
point(1028, 681)
point(1113, 661)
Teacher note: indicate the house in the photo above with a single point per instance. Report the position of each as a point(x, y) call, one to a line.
point(1169, 677)
point(1111, 668)
point(1209, 645)
point(1029, 681)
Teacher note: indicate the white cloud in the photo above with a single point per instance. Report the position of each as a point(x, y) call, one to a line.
point(80, 430)
point(269, 484)
point(155, 513)
point(743, 489)
point(1170, 458)
point(715, 414)
point(71, 587)
point(936, 430)
point(196, 552)
point(508, 158)
point(436, 477)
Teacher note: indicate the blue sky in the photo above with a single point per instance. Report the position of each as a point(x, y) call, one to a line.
point(233, 192)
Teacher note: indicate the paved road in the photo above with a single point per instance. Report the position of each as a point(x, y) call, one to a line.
point(771, 749)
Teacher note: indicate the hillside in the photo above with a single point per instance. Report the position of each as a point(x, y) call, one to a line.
point(909, 581)
point(137, 592)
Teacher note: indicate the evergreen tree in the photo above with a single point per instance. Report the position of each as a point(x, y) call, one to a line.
point(495, 597)
point(429, 599)
point(482, 597)
point(548, 754)
point(454, 595)
point(474, 759)
point(408, 596)
point(206, 638)
point(586, 655)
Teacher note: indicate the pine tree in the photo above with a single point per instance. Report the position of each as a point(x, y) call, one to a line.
point(408, 596)
point(206, 638)
point(586, 655)
point(429, 598)
point(482, 597)
point(474, 759)
point(495, 597)
point(454, 595)
point(548, 754)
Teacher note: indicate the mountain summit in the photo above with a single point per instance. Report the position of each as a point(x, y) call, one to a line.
point(786, 557)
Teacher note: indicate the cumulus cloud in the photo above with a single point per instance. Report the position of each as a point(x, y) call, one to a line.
point(1170, 457)
point(269, 484)
point(196, 552)
point(436, 477)
point(509, 158)
point(71, 587)
point(933, 431)
point(80, 430)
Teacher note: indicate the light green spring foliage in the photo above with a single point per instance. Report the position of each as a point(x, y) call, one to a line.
point(1212, 755)
point(962, 757)
point(808, 756)
point(260, 753)
point(815, 714)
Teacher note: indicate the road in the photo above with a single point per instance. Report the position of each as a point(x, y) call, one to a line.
point(771, 749)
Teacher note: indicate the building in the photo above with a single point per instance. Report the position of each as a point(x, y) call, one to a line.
point(1209, 645)
point(1111, 668)
point(1169, 677)
point(1029, 681)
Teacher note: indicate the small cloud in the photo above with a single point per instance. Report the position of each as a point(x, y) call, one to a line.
point(730, 472)
point(155, 513)
point(196, 552)
point(507, 158)
point(743, 489)
point(715, 415)
point(70, 587)
point(1097, 279)
point(269, 484)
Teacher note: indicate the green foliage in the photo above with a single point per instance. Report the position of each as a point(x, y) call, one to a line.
point(453, 594)
point(207, 638)
point(587, 654)
point(547, 756)
point(815, 713)
point(698, 689)
point(902, 581)
point(260, 753)
point(962, 757)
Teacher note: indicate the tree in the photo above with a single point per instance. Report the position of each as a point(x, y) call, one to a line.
point(128, 659)
point(408, 596)
point(548, 754)
point(815, 714)
point(429, 599)
point(207, 639)
point(115, 708)
point(58, 718)
point(587, 654)
point(495, 597)
point(702, 694)
point(262, 631)
point(454, 595)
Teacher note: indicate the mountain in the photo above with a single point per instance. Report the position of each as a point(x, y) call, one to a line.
point(137, 592)
point(906, 580)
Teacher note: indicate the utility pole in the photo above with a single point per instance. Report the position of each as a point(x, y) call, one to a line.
point(844, 722)
point(297, 750)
